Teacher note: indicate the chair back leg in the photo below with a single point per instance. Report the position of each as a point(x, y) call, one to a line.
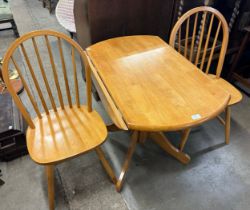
point(227, 124)
point(51, 188)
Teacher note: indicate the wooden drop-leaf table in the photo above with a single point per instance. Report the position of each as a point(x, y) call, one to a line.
point(149, 88)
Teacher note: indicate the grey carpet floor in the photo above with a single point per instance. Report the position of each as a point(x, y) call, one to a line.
point(217, 178)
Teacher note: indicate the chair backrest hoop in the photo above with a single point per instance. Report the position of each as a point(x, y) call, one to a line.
point(31, 35)
point(222, 22)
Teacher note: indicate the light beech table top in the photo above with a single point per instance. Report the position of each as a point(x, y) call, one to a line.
point(154, 87)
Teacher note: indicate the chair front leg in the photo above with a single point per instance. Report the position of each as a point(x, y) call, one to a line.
point(227, 124)
point(51, 188)
point(106, 165)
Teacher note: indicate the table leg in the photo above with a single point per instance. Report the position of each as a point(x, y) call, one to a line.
point(184, 137)
point(142, 137)
point(165, 144)
point(129, 155)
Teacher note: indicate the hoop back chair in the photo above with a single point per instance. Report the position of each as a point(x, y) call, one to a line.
point(62, 127)
point(201, 35)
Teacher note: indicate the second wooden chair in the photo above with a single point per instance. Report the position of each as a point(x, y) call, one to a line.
point(201, 35)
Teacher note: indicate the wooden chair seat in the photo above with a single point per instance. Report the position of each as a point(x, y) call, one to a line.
point(236, 95)
point(65, 134)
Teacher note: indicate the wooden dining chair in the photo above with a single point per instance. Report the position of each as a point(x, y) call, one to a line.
point(201, 35)
point(62, 128)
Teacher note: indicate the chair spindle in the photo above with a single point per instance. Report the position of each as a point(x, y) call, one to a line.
point(186, 38)
point(43, 74)
point(207, 41)
point(213, 47)
point(87, 62)
point(54, 72)
point(32, 100)
point(193, 37)
point(179, 40)
point(201, 38)
point(34, 79)
point(75, 76)
point(64, 72)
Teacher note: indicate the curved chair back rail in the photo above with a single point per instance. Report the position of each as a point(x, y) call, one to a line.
point(50, 43)
point(201, 35)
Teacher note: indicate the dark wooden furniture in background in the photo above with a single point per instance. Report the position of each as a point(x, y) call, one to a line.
point(235, 71)
point(100, 20)
point(237, 14)
point(82, 23)
point(83, 35)
point(110, 18)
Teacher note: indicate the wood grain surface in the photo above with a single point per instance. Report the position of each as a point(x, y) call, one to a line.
point(153, 86)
